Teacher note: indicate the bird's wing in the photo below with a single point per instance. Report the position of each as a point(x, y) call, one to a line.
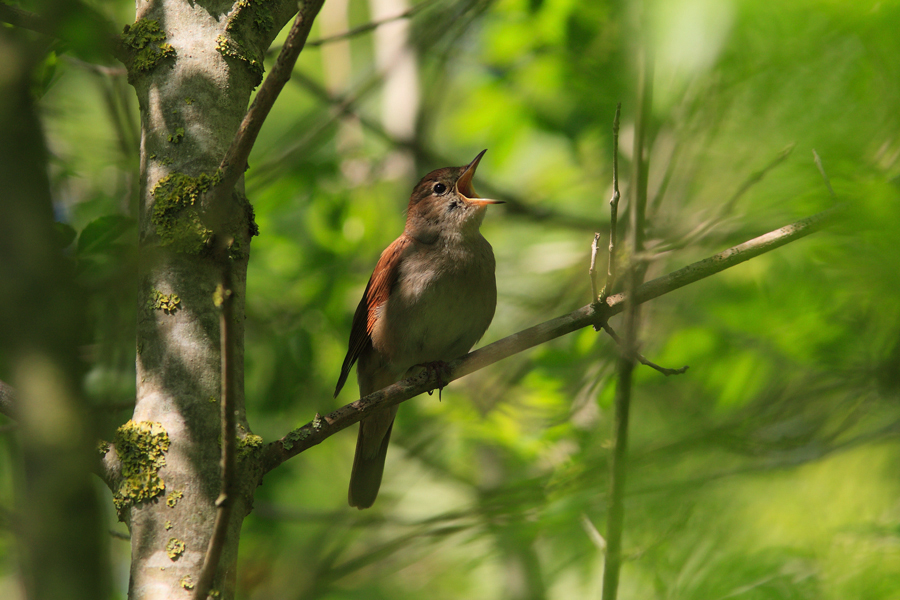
point(377, 291)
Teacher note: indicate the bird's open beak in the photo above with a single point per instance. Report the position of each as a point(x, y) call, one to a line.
point(464, 184)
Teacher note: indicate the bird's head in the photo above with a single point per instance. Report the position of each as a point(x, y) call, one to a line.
point(445, 203)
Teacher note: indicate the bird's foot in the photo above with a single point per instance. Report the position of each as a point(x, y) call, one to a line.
point(440, 369)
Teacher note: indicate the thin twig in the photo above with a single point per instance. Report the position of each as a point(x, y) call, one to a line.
point(323, 427)
point(613, 212)
point(26, 20)
point(234, 163)
point(824, 174)
point(225, 501)
point(595, 247)
point(640, 357)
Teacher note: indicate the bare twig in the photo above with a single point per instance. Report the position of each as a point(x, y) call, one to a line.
point(323, 427)
point(824, 174)
point(613, 212)
point(595, 247)
point(234, 163)
point(640, 357)
point(225, 501)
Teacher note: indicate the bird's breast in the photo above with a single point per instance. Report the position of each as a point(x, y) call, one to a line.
point(441, 304)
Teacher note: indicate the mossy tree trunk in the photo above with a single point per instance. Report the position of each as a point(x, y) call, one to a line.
point(193, 66)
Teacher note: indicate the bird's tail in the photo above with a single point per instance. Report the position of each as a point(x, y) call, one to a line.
point(368, 462)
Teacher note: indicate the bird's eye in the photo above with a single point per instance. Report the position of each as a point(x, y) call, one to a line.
point(439, 188)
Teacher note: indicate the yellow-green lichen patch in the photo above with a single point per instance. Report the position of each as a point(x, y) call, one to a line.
point(175, 215)
point(175, 138)
point(141, 447)
point(219, 296)
point(188, 100)
point(232, 48)
point(168, 303)
point(187, 582)
point(212, 400)
point(167, 525)
point(102, 447)
point(258, 10)
point(248, 444)
point(297, 435)
point(147, 45)
point(174, 548)
point(173, 498)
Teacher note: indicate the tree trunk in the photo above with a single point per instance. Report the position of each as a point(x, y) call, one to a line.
point(193, 71)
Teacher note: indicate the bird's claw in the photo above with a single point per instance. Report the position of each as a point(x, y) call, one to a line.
point(439, 369)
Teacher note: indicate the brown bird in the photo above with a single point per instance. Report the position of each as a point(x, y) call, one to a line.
point(431, 297)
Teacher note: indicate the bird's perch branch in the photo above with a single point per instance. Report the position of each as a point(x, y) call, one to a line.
point(323, 427)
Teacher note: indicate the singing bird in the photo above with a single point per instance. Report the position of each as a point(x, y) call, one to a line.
point(431, 297)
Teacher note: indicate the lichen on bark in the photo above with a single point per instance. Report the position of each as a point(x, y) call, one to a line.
point(146, 44)
point(233, 48)
point(175, 215)
point(141, 447)
point(168, 303)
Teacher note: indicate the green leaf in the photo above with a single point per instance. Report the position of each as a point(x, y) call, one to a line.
point(99, 235)
point(65, 234)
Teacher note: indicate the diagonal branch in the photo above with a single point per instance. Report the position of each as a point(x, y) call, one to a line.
point(323, 427)
point(26, 20)
point(234, 163)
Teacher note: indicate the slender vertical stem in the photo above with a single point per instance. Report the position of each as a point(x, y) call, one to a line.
point(225, 501)
point(615, 515)
point(613, 212)
point(633, 276)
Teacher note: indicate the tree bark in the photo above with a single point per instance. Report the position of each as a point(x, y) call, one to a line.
point(193, 70)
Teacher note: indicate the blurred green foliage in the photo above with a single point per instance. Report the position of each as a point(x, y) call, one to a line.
point(769, 470)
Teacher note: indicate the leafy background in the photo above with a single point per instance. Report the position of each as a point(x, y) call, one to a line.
point(769, 470)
